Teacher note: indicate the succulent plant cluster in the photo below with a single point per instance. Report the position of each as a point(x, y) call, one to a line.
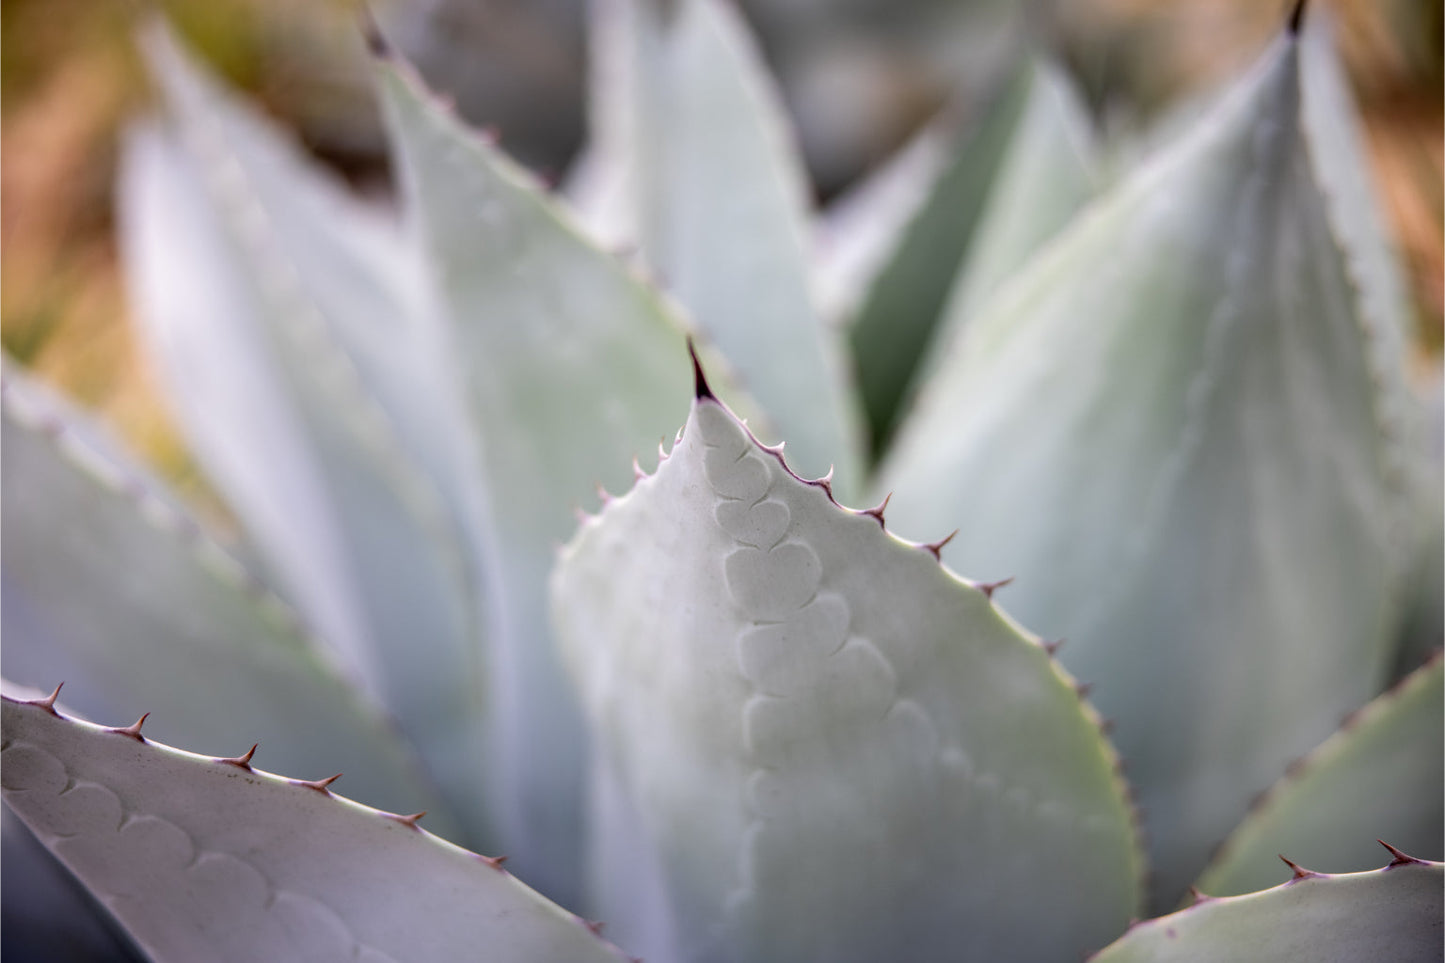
point(1159, 400)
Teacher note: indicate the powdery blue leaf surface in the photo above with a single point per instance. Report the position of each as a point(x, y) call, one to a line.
point(207, 859)
point(1379, 777)
point(570, 366)
point(1169, 429)
point(113, 590)
point(270, 300)
point(702, 174)
point(1389, 914)
point(816, 743)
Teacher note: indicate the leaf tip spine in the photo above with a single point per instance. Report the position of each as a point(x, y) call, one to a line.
point(1297, 17)
point(376, 42)
point(701, 389)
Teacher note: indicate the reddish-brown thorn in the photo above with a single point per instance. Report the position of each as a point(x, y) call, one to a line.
point(1196, 896)
point(699, 380)
point(596, 926)
point(1106, 726)
point(1296, 17)
point(133, 730)
point(375, 42)
point(494, 861)
point(1400, 858)
point(1052, 648)
point(937, 547)
point(878, 510)
point(406, 820)
point(320, 785)
point(242, 761)
point(48, 703)
point(1083, 689)
point(988, 588)
point(1299, 871)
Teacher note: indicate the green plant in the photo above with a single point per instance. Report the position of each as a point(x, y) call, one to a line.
point(1171, 405)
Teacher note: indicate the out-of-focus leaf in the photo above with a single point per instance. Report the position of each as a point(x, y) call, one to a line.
point(1169, 429)
point(112, 590)
point(694, 144)
point(1379, 777)
point(270, 301)
point(862, 759)
point(1389, 914)
point(901, 311)
point(204, 859)
point(570, 366)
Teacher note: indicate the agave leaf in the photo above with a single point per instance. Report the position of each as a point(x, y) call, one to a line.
point(1168, 429)
point(570, 365)
point(818, 743)
point(698, 145)
point(899, 313)
point(243, 274)
point(1389, 914)
point(1048, 172)
point(204, 859)
point(1014, 182)
point(859, 231)
point(52, 917)
point(118, 593)
point(1378, 777)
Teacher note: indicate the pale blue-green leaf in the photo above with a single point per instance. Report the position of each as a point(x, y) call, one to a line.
point(1391, 914)
point(816, 743)
point(571, 366)
point(1379, 777)
point(51, 916)
point(1049, 170)
point(114, 591)
point(245, 282)
point(718, 200)
point(1168, 429)
point(858, 232)
point(202, 859)
point(900, 313)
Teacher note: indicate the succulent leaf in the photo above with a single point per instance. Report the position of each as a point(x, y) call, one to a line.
point(816, 742)
point(570, 366)
point(1389, 914)
point(207, 859)
point(244, 259)
point(1168, 428)
point(1378, 777)
point(694, 139)
point(1016, 178)
point(115, 590)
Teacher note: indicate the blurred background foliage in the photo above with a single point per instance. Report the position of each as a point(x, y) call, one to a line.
point(860, 76)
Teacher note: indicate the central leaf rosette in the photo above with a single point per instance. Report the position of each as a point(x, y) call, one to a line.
point(816, 742)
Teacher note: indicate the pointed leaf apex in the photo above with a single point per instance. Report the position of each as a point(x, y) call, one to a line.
point(1299, 871)
point(133, 730)
point(988, 588)
point(700, 386)
point(242, 761)
point(320, 785)
point(1297, 17)
point(1399, 858)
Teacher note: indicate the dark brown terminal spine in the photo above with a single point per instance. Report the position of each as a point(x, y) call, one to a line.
point(700, 385)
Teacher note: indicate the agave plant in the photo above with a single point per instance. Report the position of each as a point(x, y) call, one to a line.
point(1162, 401)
